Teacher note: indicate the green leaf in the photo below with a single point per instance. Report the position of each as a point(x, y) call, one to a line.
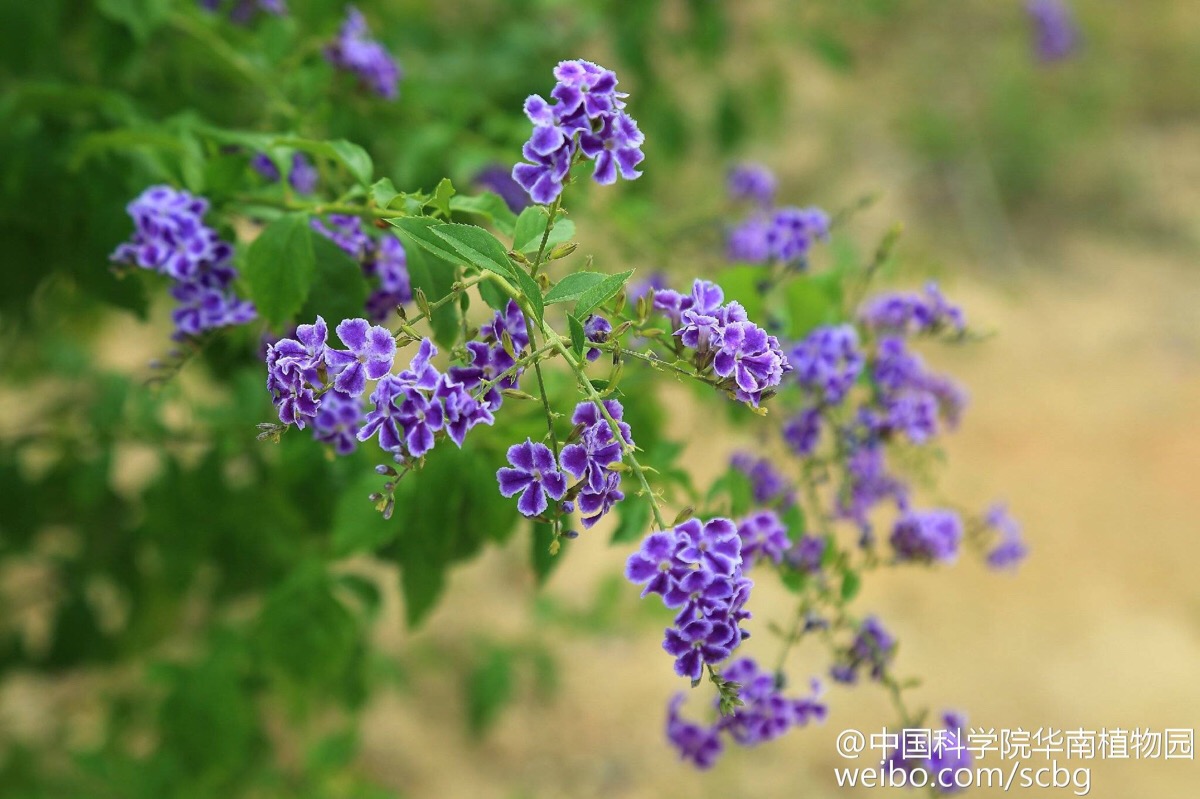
point(543, 562)
point(488, 205)
point(356, 160)
point(435, 277)
point(339, 290)
point(357, 526)
point(531, 226)
point(489, 688)
point(475, 246)
point(851, 583)
point(572, 286)
point(633, 519)
point(441, 197)
point(578, 338)
point(813, 300)
point(304, 630)
point(383, 192)
point(532, 291)
point(419, 230)
point(493, 295)
point(141, 17)
point(601, 293)
point(280, 268)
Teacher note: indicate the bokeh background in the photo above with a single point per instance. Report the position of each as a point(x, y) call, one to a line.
point(1056, 201)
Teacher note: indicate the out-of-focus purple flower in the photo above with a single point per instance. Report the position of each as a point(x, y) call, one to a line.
point(1055, 33)
point(763, 536)
point(766, 713)
point(803, 432)
point(585, 120)
point(369, 357)
point(909, 313)
point(807, 553)
point(753, 182)
point(354, 51)
point(303, 176)
point(534, 475)
point(244, 11)
point(793, 231)
point(749, 241)
point(868, 483)
point(947, 753)
point(873, 647)
point(1009, 549)
point(929, 536)
point(912, 400)
point(596, 330)
point(636, 289)
point(767, 483)
point(699, 745)
point(382, 259)
point(338, 420)
point(499, 180)
point(827, 362)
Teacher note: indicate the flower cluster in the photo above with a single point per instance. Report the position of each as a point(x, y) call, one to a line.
point(313, 383)
point(244, 11)
point(929, 536)
point(1056, 36)
point(911, 400)
point(752, 182)
point(911, 313)
point(764, 714)
point(355, 51)
point(748, 359)
point(767, 484)
point(585, 121)
point(170, 238)
point(492, 360)
point(873, 647)
point(763, 536)
point(591, 458)
point(696, 567)
point(596, 330)
point(382, 259)
point(302, 177)
point(1009, 548)
point(771, 235)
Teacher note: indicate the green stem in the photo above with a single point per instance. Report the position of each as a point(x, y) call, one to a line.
point(537, 262)
point(318, 209)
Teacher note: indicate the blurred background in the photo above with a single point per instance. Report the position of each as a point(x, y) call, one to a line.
point(1054, 198)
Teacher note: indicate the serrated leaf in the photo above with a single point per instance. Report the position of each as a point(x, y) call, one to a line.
point(339, 290)
point(435, 277)
point(601, 293)
point(572, 286)
point(489, 205)
point(531, 226)
point(280, 268)
point(419, 230)
point(475, 246)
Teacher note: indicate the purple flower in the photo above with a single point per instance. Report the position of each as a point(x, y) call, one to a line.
point(354, 51)
point(593, 502)
point(533, 475)
point(303, 176)
point(763, 536)
point(749, 241)
point(714, 546)
point(654, 564)
point(751, 359)
point(1009, 549)
point(827, 362)
point(244, 11)
point(585, 120)
point(510, 323)
point(793, 231)
point(462, 411)
point(596, 330)
point(338, 420)
point(753, 182)
point(590, 458)
point(407, 410)
point(868, 483)
point(700, 745)
point(698, 642)
point(499, 180)
point(766, 482)
point(170, 236)
point(293, 371)
point(371, 352)
point(1056, 35)
point(765, 713)
point(873, 647)
point(911, 313)
point(807, 554)
point(803, 432)
point(928, 536)
point(382, 259)
point(421, 417)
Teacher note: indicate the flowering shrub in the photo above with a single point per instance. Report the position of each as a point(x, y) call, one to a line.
point(464, 373)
